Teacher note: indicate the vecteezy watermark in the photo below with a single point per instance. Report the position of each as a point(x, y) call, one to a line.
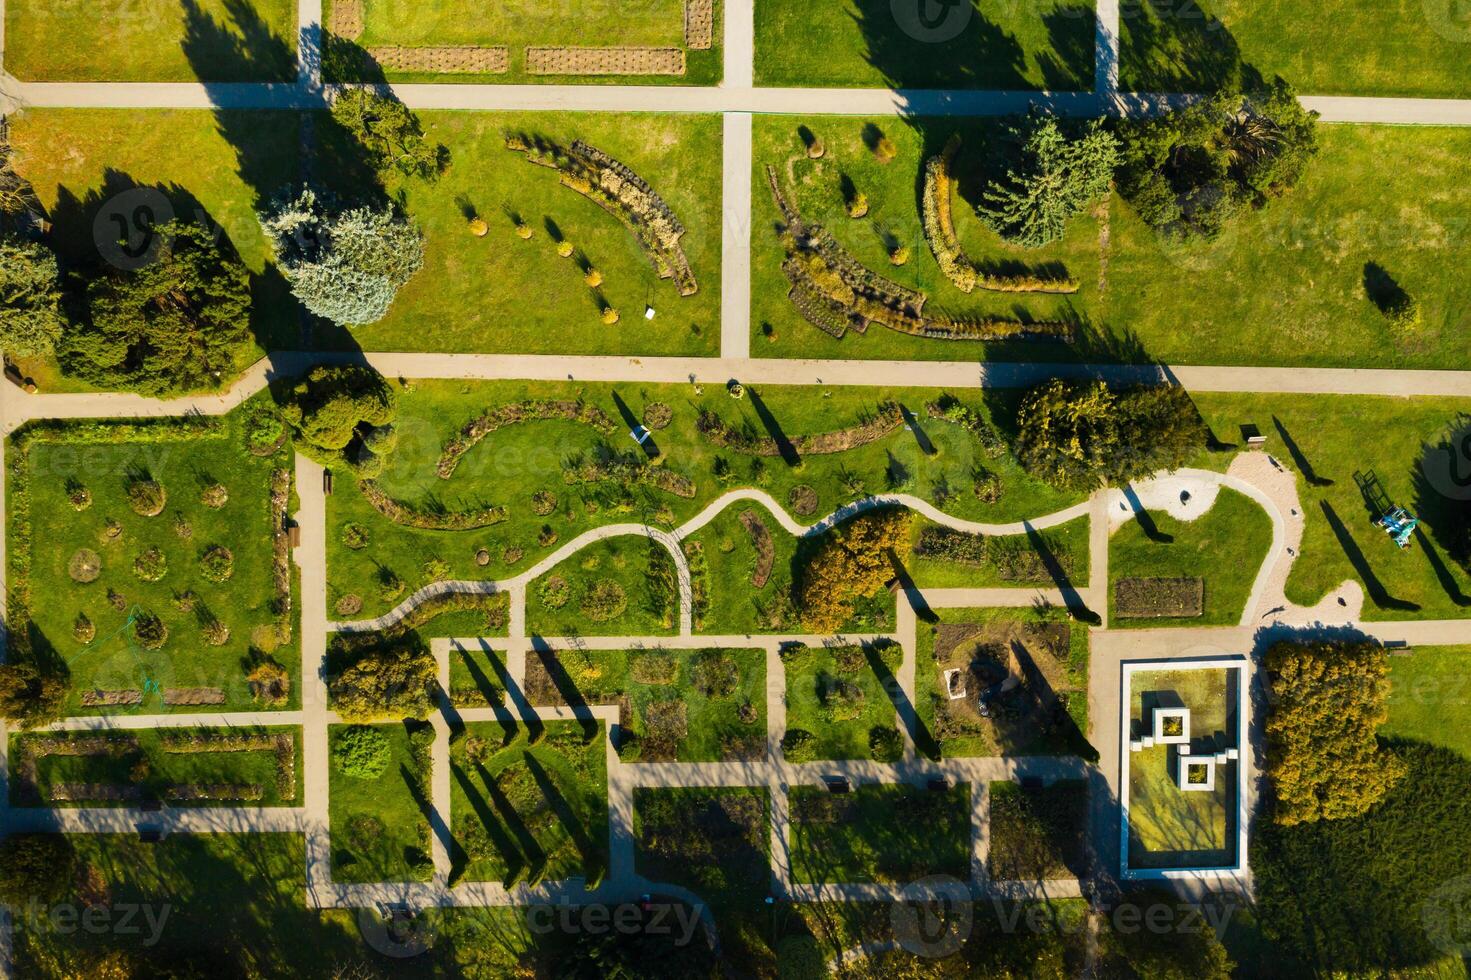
point(1447, 464)
point(934, 916)
point(399, 933)
point(114, 919)
point(932, 21)
point(1451, 19)
point(648, 918)
point(125, 229)
point(1446, 916)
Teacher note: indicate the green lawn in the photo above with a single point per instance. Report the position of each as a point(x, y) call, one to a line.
point(1040, 833)
point(892, 833)
point(1284, 285)
point(148, 762)
point(1047, 714)
point(1017, 561)
point(1334, 437)
point(477, 677)
point(974, 44)
point(1429, 697)
point(716, 842)
point(1401, 48)
point(49, 540)
point(624, 586)
point(380, 827)
point(151, 41)
point(513, 465)
point(654, 23)
point(529, 812)
point(1225, 546)
point(703, 705)
point(839, 695)
point(1167, 826)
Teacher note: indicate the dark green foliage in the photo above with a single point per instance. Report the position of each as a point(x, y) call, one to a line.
point(885, 744)
point(28, 695)
point(35, 867)
point(1188, 172)
point(335, 406)
point(1079, 435)
point(1058, 178)
point(799, 745)
point(390, 133)
point(389, 681)
point(31, 323)
point(1186, 948)
point(179, 324)
point(714, 673)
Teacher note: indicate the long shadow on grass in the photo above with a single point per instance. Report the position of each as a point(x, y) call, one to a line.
point(1298, 459)
point(1144, 518)
point(784, 445)
point(494, 693)
point(592, 857)
point(438, 822)
point(1071, 598)
point(1378, 594)
point(533, 854)
point(924, 740)
point(513, 855)
point(566, 687)
point(1442, 486)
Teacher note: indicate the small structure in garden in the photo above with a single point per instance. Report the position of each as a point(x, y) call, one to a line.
point(1195, 773)
point(1172, 726)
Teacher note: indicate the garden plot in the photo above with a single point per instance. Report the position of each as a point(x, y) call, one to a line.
point(1038, 833)
point(888, 833)
point(623, 586)
point(674, 705)
point(700, 837)
point(379, 802)
point(838, 704)
point(152, 560)
point(530, 809)
point(179, 767)
point(1002, 682)
point(1054, 558)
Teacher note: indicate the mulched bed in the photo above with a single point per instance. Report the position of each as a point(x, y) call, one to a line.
point(765, 549)
point(1159, 598)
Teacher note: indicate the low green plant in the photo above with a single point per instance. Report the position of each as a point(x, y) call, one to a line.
point(361, 752)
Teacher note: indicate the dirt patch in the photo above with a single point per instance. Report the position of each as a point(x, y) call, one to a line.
point(765, 550)
point(699, 24)
point(1014, 676)
point(193, 695)
point(444, 60)
point(346, 19)
point(605, 61)
point(1159, 598)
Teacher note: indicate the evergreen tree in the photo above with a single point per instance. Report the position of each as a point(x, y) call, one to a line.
point(17, 197)
point(333, 407)
point(178, 324)
point(390, 134)
point(1058, 178)
point(31, 322)
point(35, 867)
point(344, 266)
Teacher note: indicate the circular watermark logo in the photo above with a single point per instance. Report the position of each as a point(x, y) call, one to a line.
point(1446, 916)
point(933, 917)
point(932, 21)
point(1447, 464)
point(125, 229)
point(399, 933)
point(1451, 19)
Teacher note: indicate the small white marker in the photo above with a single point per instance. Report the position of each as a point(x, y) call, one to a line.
point(648, 312)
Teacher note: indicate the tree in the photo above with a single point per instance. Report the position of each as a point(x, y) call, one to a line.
point(851, 562)
point(1131, 949)
point(392, 681)
point(17, 197)
point(1079, 435)
point(390, 133)
point(179, 324)
point(31, 323)
point(1188, 172)
point(1323, 758)
point(26, 694)
point(35, 867)
point(333, 407)
point(344, 266)
point(1058, 178)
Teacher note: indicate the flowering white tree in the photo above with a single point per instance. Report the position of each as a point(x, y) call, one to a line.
point(344, 266)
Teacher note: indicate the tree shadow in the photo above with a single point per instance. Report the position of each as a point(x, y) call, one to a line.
point(250, 53)
point(1144, 518)
point(1181, 48)
point(1298, 459)
point(592, 855)
point(1071, 598)
point(1377, 592)
point(514, 857)
point(566, 687)
point(784, 447)
point(1382, 289)
point(648, 444)
point(533, 855)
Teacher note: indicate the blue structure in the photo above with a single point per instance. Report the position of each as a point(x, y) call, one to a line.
point(1400, 525)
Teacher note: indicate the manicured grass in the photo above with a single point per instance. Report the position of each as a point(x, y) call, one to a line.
point(727, 600)
point(151, 41)
point(477, 676)
point(623, 586)
point(155, 770)
point(1038, 833)
point(529, 812)
point(1430, 697)
point(839, 706)
point(1029, 561)
point(1225, 546)
point(46, 532)
point(973, 44)
point(511, 466)
point(716, 842)
point(80, 160)
point(890, 832)
point(1284, 285)
point(654, 23)
point(682, 705)
point(1021, 723)
point(1169, 827)
point(500, 294)
point(1335, 48)
point(1331, 439)
point(380, 827)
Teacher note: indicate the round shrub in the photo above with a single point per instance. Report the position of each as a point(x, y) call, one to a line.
point(482, 557)
point(265, 433)
point(524, 231)
point(747, 713)
point(354, 536)
point(215, 496)
point(604, 601)
point(547, 536)
point(367, 464)
point(85, 566)
point(858, 205)
point(82, 629)
point(714, 673)
point(512, 554)
point(112, 531)
point(478, 227)
point(217, 563)
point(78, 496)
point(803, 500)
point(564, 249)
point(735, 390)
point(150, 631)
point(350, 605)
point(884, 150)
point(183, 528)
point(610, 316)
point(151, 565)
point(885, 744)
point(816, 148)
point(658, 415)
point(543, 502)
point(593, 278)
point(899, 255)
point(216, 633)
point(555, 592)
point(842, 699)
point(381, 440)
point(390, 586)
point(436, 570)
point(147, 497)
point(799, 745)
point(361, 752)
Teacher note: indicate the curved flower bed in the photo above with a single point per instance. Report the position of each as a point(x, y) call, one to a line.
point(533, 410)
point(721, 433)
point(632, 470)
point(400, 513)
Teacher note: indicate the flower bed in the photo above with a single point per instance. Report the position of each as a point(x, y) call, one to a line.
point(886, 419)
point(534, 410)
point(402, 514)
point(1159, 598)
point(765, 550)
point(1013, 557)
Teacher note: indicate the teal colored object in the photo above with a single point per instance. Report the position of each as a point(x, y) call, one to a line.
point(1400, 525)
